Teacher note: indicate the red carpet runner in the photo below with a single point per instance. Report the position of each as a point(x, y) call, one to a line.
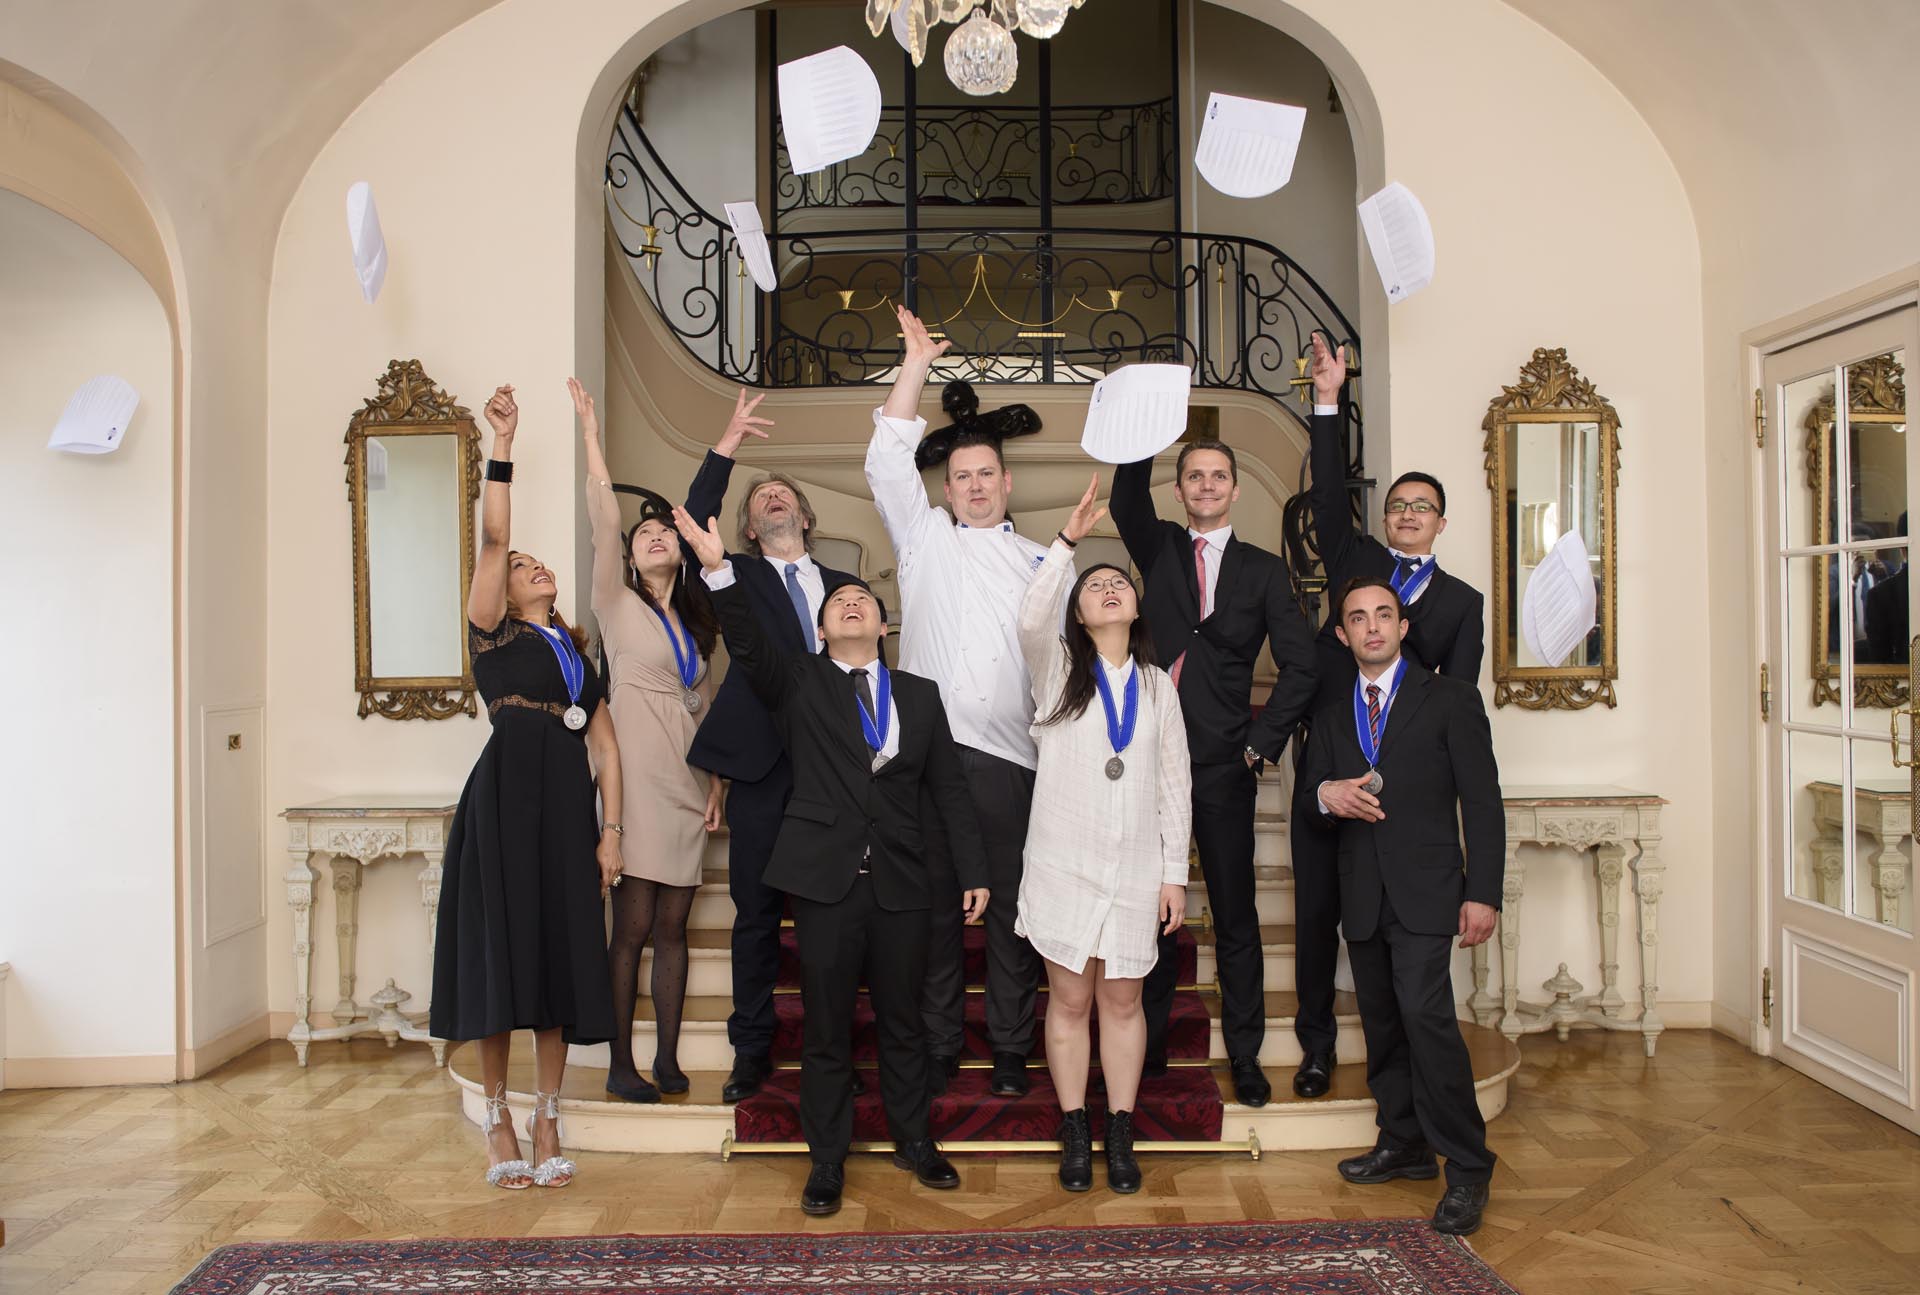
point(1183, 1106)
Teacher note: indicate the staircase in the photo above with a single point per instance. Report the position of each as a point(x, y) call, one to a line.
point(1190, 1109)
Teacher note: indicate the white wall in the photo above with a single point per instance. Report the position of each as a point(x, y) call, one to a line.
point(88, 766)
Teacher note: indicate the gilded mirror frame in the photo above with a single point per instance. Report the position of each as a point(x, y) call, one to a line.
point(408, 403)
point(1551, 390)
point(1876, 393)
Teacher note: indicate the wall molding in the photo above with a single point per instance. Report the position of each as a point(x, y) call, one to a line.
point(90, 1072)
point(210, 1056)
point(1735, 1026)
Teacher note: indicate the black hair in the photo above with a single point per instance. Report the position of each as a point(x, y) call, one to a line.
point(1358, 583)
point(821, 618)
point(1424, 479)
point(689, 596)
point(1081, 654)
point(971, 427)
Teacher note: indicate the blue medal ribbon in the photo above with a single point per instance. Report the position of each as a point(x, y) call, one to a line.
point(688, 661)
point(573, 670)
point(1368, 747)
point(1408, 584)
point(874, 728)
point(1120, 721)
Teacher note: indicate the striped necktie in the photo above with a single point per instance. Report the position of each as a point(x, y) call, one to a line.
point(1373, 713)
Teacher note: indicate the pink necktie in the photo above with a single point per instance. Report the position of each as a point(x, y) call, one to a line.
point(1200, 578)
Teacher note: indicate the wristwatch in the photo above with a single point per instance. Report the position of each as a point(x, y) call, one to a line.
point(615, 828)
point(1255, 756)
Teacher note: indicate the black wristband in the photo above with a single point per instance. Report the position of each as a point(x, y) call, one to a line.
point(1072, 544)
point(500, 470)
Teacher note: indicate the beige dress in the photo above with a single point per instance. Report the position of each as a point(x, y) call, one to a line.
point(665, 798)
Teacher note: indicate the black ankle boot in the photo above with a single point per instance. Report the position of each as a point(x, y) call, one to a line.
point(1076, 1151)
point(1123, 1171)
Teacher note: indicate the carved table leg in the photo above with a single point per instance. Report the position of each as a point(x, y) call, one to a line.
point(1606, 865)
point(430, 900)
point(1513, 886)
point(1648, 878)
point(346, 929)
point(1484, 1006)
point(299, 880)
point(1890, 868)
point(1827, 866)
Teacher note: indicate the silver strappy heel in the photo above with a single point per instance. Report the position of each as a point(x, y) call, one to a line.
point(509, 1175)
point(554, 1171)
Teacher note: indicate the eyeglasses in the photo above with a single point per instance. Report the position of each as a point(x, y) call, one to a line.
point(1112, 584)
point(1419, 507)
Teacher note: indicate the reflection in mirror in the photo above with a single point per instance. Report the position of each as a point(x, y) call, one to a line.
point(413, 555)
point(1556, 489)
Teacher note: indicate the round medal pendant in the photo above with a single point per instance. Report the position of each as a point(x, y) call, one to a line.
point(690, 699)
point(1374, 782)
point(1116, 767)
point(575, 718)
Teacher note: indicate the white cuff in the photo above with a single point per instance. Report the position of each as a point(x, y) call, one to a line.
point(1325, 812)
point(1319, 409)
point(907, 431)
point(721, 579)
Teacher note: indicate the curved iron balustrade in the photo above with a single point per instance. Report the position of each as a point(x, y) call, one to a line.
point(1046, 304)
point(991, 157)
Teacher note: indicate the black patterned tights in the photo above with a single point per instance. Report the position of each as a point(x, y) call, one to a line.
point(641, 910)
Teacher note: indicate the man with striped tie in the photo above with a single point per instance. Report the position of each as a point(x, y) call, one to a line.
point(1401, 767)
point(1446, 634)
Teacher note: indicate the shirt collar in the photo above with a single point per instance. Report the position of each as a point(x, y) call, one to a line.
point(804, 562)
point(1004, 526)
point(1216, 540)
point(1382, 678)
point(1117, 673)
point(871, 667)
point(1418, 559)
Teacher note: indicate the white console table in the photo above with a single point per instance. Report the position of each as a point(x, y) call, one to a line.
point(355, 832)
point(1882, 810)
point(1609, 821)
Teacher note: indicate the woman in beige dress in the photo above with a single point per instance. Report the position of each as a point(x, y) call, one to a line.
point(658, 632)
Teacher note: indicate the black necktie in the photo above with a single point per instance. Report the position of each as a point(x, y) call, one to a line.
point(1407, 567)
point(864, 691)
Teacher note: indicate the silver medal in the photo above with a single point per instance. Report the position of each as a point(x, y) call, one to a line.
point(575, 718)
point(1374, 782)
point(879, 761)
point(690, 699)
point(1116, 767)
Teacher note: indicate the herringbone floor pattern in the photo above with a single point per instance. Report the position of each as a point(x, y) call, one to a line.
point(1704, 1169)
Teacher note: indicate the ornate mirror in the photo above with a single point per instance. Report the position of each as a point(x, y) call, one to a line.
point(1876, 425)
point(413, 475)
point(1553, 455)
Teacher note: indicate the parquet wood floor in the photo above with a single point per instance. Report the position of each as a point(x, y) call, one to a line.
point(1705, 1169)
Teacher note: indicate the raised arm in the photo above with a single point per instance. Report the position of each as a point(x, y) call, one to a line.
point(487, 595)
point(747, 643)
point(892, 476)
point(1134, 513)
point(1292, 645)
point(603, 510)
point(709, 488)
point(1333, 530)
point(1039, 621)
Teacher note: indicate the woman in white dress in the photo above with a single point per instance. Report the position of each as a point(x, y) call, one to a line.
point(1106, 858)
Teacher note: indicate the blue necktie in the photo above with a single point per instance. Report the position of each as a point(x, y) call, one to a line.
point(798, 597)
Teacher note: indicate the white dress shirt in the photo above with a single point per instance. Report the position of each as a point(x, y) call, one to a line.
point(1383, 676)
point(890, 747)
point(812, 584)
point(960, 592)
point(1210, 558)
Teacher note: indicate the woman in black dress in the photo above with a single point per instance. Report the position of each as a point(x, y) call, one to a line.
point(522, 937)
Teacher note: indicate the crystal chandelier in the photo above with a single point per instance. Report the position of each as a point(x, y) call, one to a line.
point(980, 56)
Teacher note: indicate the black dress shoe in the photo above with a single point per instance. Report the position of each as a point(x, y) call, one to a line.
point(1076, 1151)
point(1384, 1163)
point(821, 1195)
point(1009, 1075)
point(1315, 1075)
point(927, 1164)
point(632, 1089)
point(941, 1068)
point(750, 1070)
point(1123, 1171)
point(1458, 1213)
point(1250, 1086)
point(1155, 1064)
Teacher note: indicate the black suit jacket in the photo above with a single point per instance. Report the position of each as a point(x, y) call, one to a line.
point(841, 811)
point(738, 739)
point(1446, 630)
point(1439, 776)
point(1887, 621)
point(1252, 604)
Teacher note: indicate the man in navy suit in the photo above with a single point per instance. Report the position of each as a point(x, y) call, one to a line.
point(784, 588)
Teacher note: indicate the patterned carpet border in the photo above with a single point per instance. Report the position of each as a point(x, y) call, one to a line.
point(1311, 1257)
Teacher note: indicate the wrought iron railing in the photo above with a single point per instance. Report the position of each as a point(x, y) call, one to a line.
point(993, 157)
point(1042, 304)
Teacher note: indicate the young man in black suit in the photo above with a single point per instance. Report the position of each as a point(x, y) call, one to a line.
point(1212, 599)
point(1401, 765)
point(865, 742)
point(1446, 635)
point(783, 587)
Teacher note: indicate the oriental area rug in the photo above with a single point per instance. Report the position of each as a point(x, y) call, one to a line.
point(1373, 1257)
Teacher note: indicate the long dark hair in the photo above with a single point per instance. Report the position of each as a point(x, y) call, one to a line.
point(689, 597)
point(1081, 654)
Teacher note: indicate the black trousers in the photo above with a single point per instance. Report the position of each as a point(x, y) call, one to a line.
point(1417, 1063)
point(754, 813)
point(1003, 799)
point(1315, 845)
point(1223, 797)
point(842, 944)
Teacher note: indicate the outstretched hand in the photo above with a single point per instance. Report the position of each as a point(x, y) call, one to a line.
point(583, 410)
point(503, 414)
point(705, 543)
point(1085, 516)
point(1329, 370)
point(742, 425)
point(922, 350)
